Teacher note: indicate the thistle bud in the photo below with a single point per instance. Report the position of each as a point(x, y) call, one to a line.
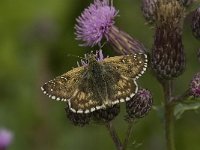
point(78, 119)
point(140, 104)
point(148, 9)
point(123, 43)
point(195, 86)
point(168, 58)
point(186, 2)
point(196, 23)
point(108, 114)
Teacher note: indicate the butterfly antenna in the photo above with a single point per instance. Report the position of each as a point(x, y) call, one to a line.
point(101, 45)
point(111, 3)
point(70, 55)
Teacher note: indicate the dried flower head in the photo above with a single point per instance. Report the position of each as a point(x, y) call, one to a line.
point(195, 86)
point(140, 104)
point(5, 138)
point(168, 58)
point(78, 119)
point(95, 22)
point(186, 2)
point(196, 23)
point(108, 114)
point(148, 9)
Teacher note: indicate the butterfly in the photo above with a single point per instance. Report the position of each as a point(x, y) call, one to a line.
point(98, 83)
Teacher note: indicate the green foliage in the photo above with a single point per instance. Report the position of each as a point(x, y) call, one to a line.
point(181, 108)
point(28, 58)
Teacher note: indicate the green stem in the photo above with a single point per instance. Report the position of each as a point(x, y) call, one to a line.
point(169, 118)
point(128, 135)
point(114, 136)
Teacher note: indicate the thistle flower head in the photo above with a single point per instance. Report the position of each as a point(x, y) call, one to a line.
point(5, 138)
point(186, 2)
point(195, 86)
point(95, 22)
point(168, 57)
point(196, 23)
point(108, 114)
point(78, 119)
point(148, 9)
point(140, 104)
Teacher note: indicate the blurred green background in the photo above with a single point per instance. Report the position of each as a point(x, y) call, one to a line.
point(36, 37)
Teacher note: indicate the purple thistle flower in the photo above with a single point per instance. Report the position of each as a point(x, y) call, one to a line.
point(195, 85)
point(95, 22)
point(5, 138)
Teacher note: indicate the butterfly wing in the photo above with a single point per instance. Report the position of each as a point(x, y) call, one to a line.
point(84, 99)
point(116, 88)
point(132, 66)
point(74, 88)
point(77, 88)
point(121, 88)
point(62, 87)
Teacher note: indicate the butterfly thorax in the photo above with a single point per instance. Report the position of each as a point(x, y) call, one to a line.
point(99, 83)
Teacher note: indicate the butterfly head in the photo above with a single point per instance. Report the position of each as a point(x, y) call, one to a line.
point(92, 58)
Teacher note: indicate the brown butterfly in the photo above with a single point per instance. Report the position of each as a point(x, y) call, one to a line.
point(99, 83)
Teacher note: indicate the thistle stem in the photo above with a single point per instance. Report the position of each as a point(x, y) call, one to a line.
point(169, 119)
point(181, 97)
point(114, 136)
point(128, 135)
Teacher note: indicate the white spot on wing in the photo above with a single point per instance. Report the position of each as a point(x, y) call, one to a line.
point(80, 111)
point(53, 97)
point(92, 109)
point(73, 110)
point(122, 100)
point(86, 111)
point(42, 88)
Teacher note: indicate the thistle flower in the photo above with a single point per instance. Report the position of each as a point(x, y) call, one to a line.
point(78, 119)
point(148, 9)
point(108, 114)
point(5, 139)
point(195, 86)
point(97, 22)
point(196, 23)
point(186, 2)
point(168, 58)
point(140, 104)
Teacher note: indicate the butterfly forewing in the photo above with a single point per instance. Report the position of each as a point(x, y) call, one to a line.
point(132, 66)
point(63, 87)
